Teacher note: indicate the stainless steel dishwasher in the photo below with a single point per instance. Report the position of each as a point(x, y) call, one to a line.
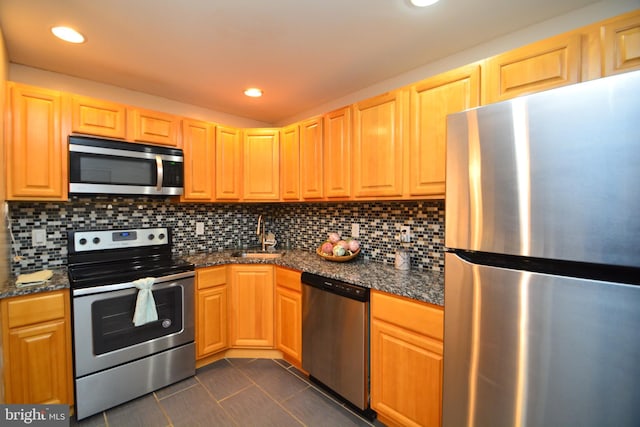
point(335, 338)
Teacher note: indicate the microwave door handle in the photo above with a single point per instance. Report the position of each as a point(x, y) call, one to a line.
point(160, 172)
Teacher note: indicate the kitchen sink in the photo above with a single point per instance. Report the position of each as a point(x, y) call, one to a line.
point(257, 254)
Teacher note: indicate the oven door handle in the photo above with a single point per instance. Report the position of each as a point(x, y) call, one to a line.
point(129, 285)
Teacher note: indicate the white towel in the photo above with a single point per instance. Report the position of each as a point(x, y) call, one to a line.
point(145, 304)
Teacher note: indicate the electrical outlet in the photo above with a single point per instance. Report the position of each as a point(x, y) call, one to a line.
point(39, 237)
point(355, 230)
point(199, 228)
point(405, 234)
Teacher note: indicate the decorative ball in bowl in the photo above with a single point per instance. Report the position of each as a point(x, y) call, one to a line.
point(339, 250)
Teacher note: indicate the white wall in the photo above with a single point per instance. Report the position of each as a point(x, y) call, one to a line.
point(560, 24)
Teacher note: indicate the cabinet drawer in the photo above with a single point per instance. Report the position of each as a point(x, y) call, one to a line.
point(288, 279)
point(415, 316)
point(31, 309)
point(210, 277)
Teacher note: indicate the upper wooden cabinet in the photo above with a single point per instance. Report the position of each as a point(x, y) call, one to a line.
point(36, 338)
point(290, 163)
point(152, 127)
point(228, 166)
point(337, 154)
point(251, 306)
point(198, 141)
point(547, 64)
point(431, 101)
point(95, 117)
point(378, 140)
point(621, 42)
point(36, 146)
point(261, 164)
point(311, 165)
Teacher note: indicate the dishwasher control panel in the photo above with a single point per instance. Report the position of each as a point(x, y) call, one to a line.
point(335, 286)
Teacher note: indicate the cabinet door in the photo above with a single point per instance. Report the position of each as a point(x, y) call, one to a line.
point(311, 164)
point(228, 167)
point(431, 101)
point(406, 361)
point(378, 146)
point(547, 64)
point(290, 163)
point(153, 127)
point(199, 159)
point(622, 44)
point(37, 363)
point(96, 117)
point(261, 164)
point(211, 326)
point(36, 154)
point(337, 153)
point(288, 321)
point(251, 306)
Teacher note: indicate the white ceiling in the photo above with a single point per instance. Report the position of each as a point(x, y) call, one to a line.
point(303, 53)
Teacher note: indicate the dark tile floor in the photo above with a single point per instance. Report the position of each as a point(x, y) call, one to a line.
point(233, 392)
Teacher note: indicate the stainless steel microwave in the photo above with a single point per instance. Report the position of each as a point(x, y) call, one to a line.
point(101, 166)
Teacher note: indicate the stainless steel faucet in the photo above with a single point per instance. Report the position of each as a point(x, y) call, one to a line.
point(261, 232)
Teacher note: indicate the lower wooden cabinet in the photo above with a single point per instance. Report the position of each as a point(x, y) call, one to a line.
point(36, 341)
point(251, 306)
point(288, 321)
point(211, 311)
point(406, 361)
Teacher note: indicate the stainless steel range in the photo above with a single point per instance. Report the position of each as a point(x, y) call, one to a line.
point(116, 360)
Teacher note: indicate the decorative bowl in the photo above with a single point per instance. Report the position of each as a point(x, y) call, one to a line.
point(343, 258)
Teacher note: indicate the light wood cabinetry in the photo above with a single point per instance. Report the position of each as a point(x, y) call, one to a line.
point(261, 164)
point(378, 141)
point(228, 167)
point(431, 101)
point(96, 117)
point(35, 149)
point(211, 311)
point(543, 65)
point(337, 154)
point(311, 165)
point(406, 361)
point(621, 44)
point(152, 127)
point(36, 338)
point(290, 163)
point(251, 306)
point(288, 312)
point(198, 141)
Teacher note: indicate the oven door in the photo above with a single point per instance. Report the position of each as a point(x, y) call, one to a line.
point(104, 334)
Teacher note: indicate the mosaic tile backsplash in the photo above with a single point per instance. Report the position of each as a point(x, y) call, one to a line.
point(227, 226)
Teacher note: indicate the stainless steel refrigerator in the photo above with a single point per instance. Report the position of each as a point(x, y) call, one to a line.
point(542, 269)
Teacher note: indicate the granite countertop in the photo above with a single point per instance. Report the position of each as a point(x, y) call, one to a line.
point(427, 286)
point(60, 280)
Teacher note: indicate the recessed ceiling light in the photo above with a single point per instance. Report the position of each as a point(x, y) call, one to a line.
point(68, 34)
point(423, 3)
point(253, 92)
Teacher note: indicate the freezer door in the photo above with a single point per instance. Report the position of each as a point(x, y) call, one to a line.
point(551, 175)
point(528, 349)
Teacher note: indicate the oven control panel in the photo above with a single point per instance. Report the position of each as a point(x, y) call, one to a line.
point(117, 239)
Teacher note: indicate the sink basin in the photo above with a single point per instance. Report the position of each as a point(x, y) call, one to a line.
point(257, 254)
